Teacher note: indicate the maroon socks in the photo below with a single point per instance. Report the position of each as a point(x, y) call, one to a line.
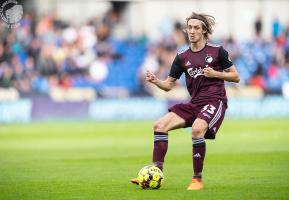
point(160, 148)
point(199, 151)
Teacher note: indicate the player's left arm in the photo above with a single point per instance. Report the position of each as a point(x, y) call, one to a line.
point(230, 74)
point(229, 71)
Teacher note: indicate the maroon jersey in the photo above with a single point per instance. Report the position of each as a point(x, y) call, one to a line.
point(191, 63)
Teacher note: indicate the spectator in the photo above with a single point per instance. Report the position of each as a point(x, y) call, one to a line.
point(258, 26)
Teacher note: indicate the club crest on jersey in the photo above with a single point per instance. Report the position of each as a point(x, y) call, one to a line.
point(195, 72)
point(208, 60)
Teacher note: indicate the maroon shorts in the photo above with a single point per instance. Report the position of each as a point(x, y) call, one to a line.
point(213, 112)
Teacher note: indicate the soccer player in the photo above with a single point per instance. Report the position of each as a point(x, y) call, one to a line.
point(206, 67)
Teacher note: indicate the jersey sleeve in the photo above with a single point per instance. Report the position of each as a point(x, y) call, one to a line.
point(176, 68)
point(224, 59)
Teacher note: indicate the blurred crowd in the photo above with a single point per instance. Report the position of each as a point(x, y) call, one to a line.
point(49, 52)
point(39, 55)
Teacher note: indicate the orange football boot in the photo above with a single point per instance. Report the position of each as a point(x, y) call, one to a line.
point(196, 184)
point(134, 181)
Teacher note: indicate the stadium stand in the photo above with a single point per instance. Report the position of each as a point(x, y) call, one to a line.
point(49, 52)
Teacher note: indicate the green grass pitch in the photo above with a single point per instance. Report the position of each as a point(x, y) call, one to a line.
point(95, 160)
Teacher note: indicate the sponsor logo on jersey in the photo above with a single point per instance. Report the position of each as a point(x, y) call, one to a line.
point(195, 72)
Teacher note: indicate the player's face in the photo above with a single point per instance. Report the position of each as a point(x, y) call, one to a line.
point(195, 30)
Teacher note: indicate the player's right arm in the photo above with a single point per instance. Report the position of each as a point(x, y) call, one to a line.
point(165, 85)
point(175, 73)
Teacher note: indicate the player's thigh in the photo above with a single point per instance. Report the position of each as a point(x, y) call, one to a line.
point(199, 128)
point(169, 122)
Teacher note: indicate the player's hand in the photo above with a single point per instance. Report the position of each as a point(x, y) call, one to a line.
point(150, 77)
point(209, 72)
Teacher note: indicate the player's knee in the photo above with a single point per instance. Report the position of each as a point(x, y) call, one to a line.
point(197, 132)
point(159, 127)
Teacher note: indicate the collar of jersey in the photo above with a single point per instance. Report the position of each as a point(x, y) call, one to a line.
point(199, 50)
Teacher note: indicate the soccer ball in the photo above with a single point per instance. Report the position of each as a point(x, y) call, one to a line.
point(150, 177)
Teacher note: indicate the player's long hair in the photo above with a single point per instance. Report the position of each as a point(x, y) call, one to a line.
point(208, 22)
